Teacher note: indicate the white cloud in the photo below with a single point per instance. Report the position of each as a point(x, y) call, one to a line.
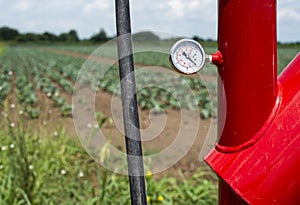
point(95, 6)
point(23, 6)
point(177, 8)
point(198, 5)
point(288, 14)
point(181, 17)
point(194, 4)
point(288, 20)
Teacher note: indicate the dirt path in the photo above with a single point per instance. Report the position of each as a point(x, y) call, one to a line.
point(160, 131)
point(171, 129)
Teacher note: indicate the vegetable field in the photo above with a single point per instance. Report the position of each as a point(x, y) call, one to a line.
point(36, 87)
point(29, 73)
point(26, 73)
point(41, 162)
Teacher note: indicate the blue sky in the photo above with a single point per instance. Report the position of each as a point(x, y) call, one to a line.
point(179, 17)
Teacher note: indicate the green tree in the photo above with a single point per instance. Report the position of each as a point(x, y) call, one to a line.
point(71, 36)
point(197, 38)
point(99, 37)
point(8, 34)
point(28, 37)
point(48, 37)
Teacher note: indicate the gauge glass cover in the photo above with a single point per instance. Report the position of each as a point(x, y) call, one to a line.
point(187, 56)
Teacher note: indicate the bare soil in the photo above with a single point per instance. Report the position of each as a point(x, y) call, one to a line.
point(168, 125)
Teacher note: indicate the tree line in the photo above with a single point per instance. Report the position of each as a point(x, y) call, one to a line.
point(10, 34)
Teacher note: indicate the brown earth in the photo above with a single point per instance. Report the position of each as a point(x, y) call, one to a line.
point(191, 160)
point(158, 130)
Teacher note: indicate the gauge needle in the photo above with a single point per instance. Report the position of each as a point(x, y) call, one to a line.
point(187, 57)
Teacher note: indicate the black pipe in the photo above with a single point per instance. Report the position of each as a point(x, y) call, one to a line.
point(129, 104)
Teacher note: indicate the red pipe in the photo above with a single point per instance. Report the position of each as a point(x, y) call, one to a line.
point(248, 44)
point(247, 41)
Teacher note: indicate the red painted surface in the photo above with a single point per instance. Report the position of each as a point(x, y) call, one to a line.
point(258, 155)
point(268, 171)
point(217, 58)
point(248, 43)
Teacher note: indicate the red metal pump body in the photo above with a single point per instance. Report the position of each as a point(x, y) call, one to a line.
point(258, 155)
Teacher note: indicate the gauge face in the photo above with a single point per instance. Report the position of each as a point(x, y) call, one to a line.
point(187, 56)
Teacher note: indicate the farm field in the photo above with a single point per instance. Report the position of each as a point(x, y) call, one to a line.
point(34, 76)
point(38, 134)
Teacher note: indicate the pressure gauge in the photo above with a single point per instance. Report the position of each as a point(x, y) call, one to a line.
point(187, 56)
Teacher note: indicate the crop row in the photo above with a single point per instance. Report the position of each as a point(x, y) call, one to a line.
point(159, 90)
point(37, 70)
point(5, 78)
point(156, 90)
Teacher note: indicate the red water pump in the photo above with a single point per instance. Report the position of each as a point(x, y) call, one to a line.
point(257, 157)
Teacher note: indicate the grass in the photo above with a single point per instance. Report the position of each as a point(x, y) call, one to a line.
point(39, 168)
point(2, 48)
point(285, 55)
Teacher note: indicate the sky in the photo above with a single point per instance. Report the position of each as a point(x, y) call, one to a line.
point(179, 17)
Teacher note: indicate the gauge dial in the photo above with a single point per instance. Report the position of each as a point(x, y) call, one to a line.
point(187, 56)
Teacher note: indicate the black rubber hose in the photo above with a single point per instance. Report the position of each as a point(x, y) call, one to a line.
point(129, 104)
